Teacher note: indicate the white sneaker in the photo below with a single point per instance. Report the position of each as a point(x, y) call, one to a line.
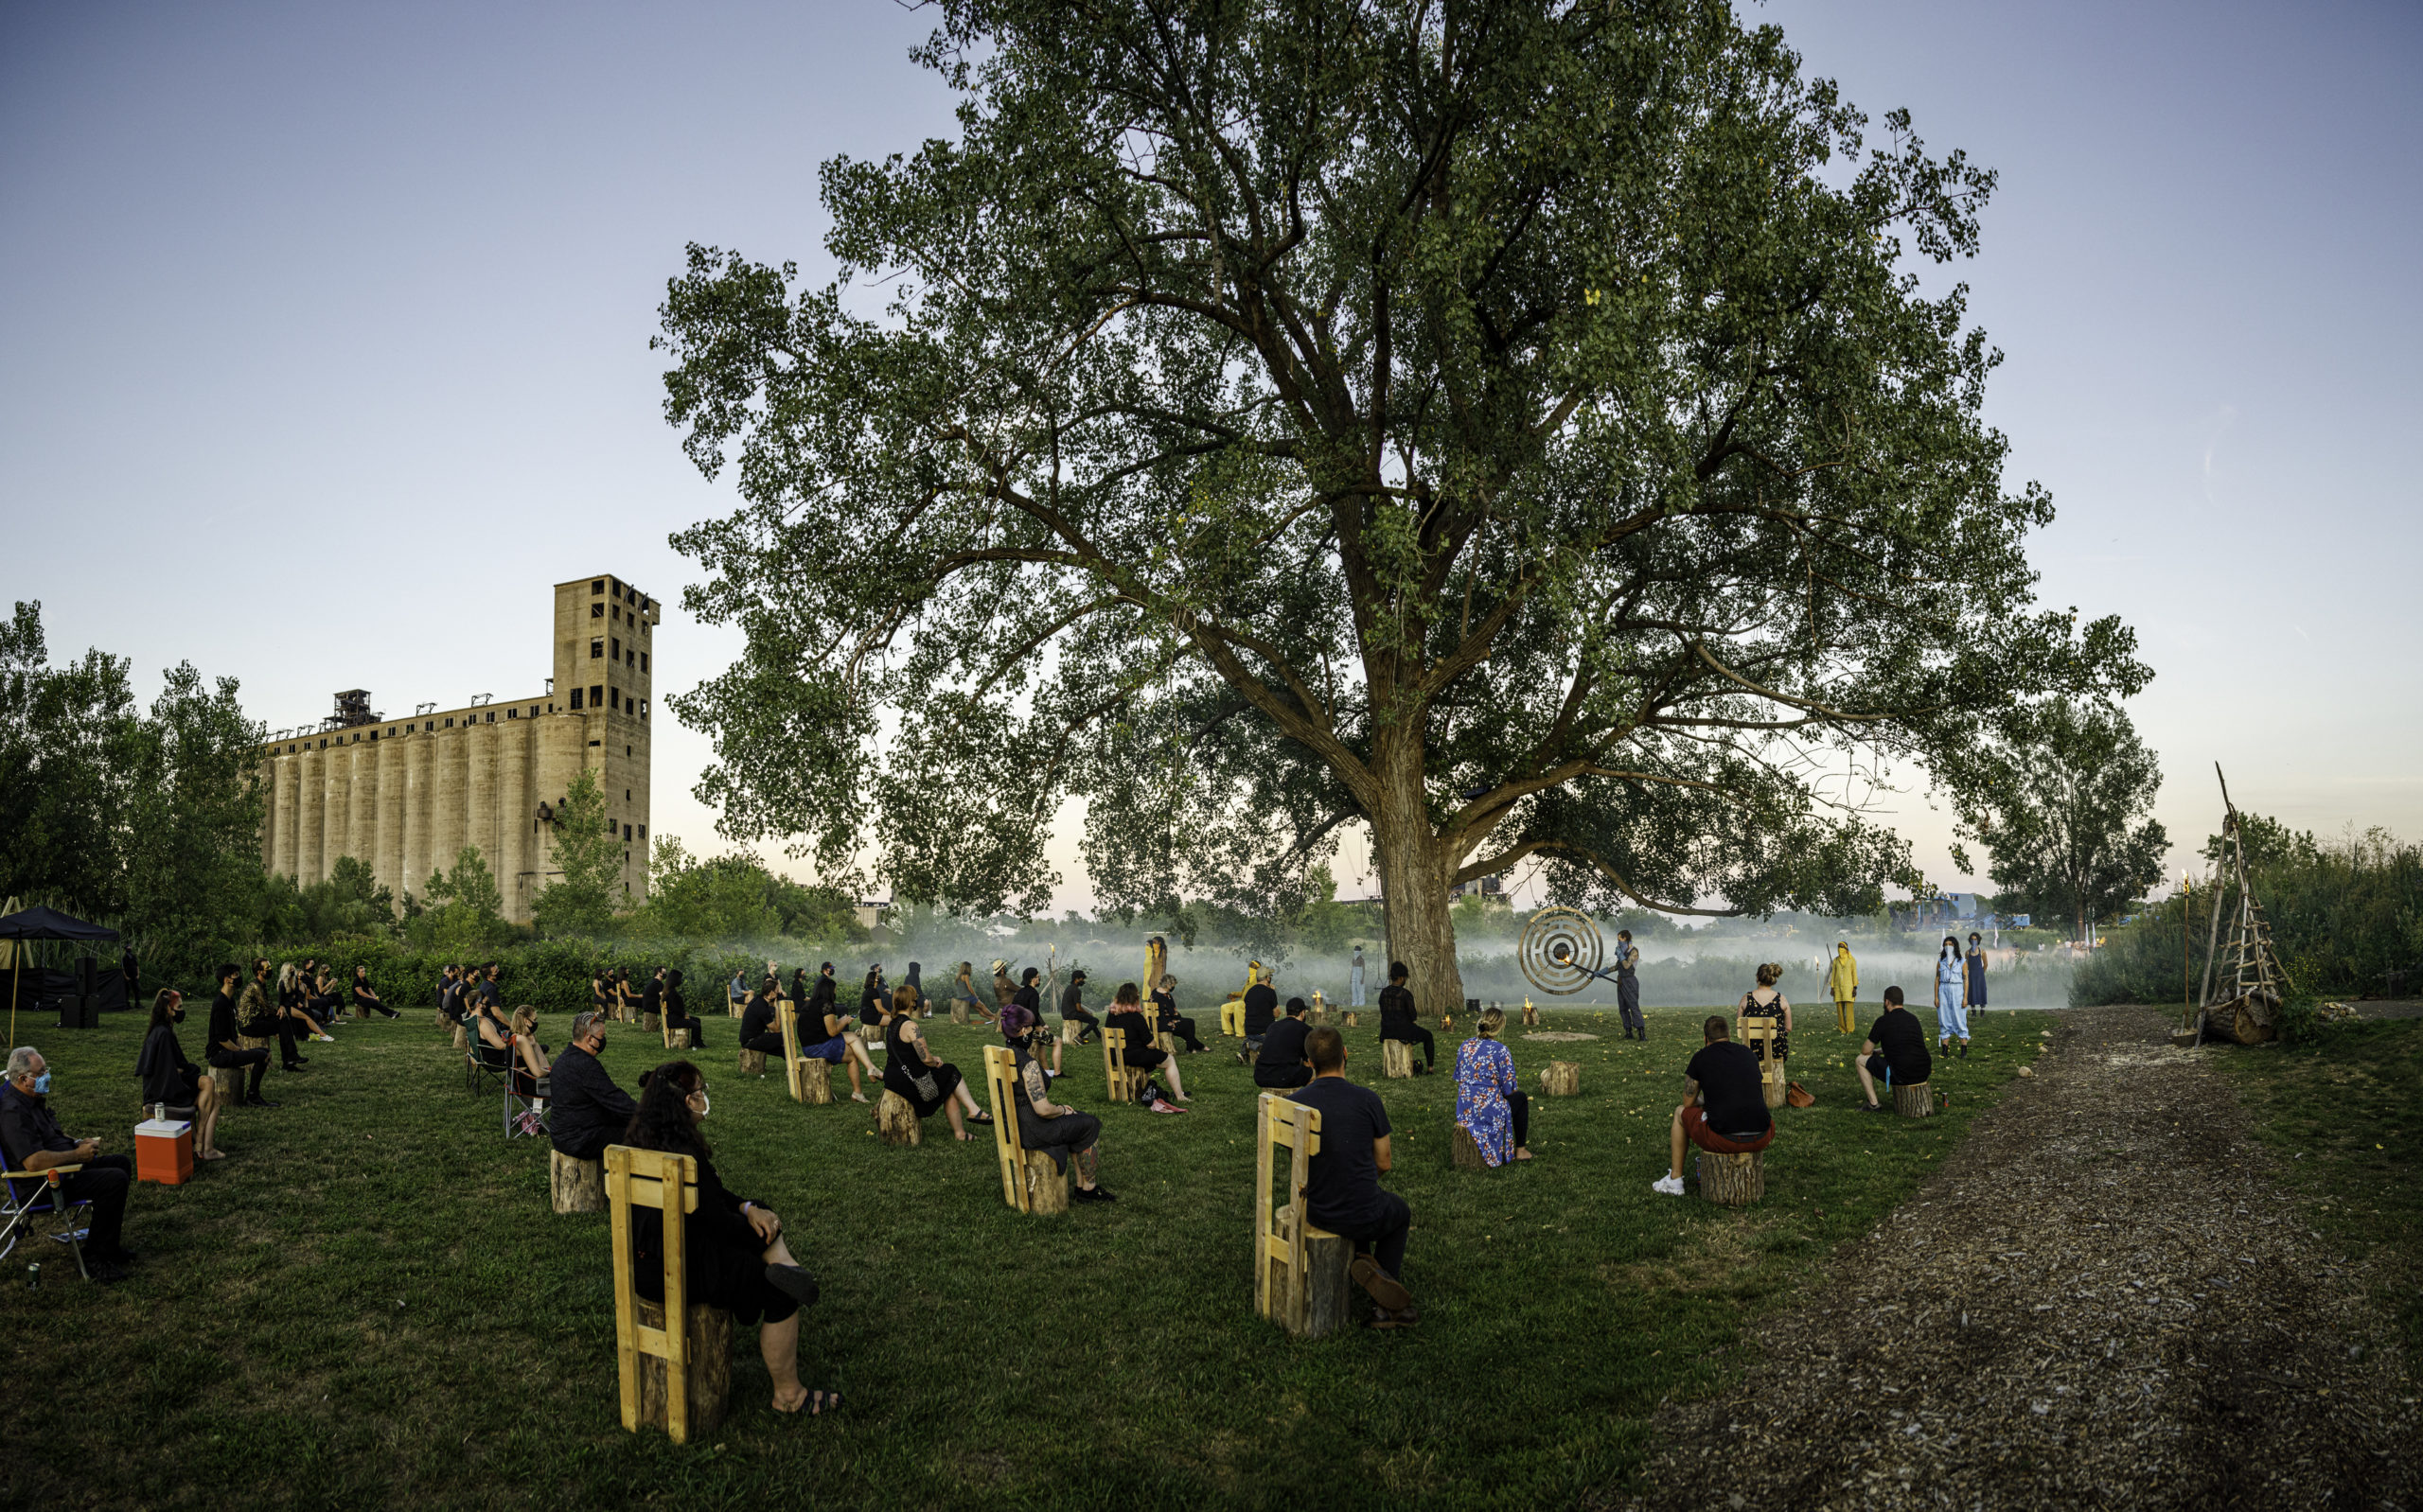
point(1669, 1186)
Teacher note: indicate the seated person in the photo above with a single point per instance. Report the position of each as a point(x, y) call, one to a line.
point(226, 1050)
point(503, 1050)
point(914, 1073)
point(874, 998)
point(1398, 1018)
point(1029, 995)
point(171, 1080)
point(1003, 988)
point(915, 982)
point(365, 1002)
point(678, 1014)
point(1073, 1011)
point(1766, 1000)
point(1342, 1190)
point(735, 992)
point(1167, 1019)
point(1896, 1050)
point(964, 995)
point(1260, 1010)
point(590, 1111)
point(758, 1030)
point(839, 1046)
point(450, 996)
point(321, 1003)
point(262, 1020)
point(1127, 1015)
point(1491, 1105)
point(733, 1253)
point(1044, 1125)
point(30, 1140)
point(525, 1038)
point(1725, 1112)
point(601, 992)
point(1281, 1065)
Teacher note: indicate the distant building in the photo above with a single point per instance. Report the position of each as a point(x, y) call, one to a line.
point(406, 795)
point(1490, 887)
point(870, 910)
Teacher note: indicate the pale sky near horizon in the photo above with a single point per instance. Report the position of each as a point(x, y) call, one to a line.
point(327, 347)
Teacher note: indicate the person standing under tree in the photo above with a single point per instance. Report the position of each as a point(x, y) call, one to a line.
point(1951, 998)
point(1842, 981)
point(1973, 979)
point(1397, 1018)
point(1354, 980)
point(1628, 987)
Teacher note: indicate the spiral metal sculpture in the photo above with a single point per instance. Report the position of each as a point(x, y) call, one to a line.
point(1561, 951)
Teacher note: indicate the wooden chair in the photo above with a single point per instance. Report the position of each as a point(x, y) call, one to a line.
point(678, 1377)
point(1300, 1278)
point(1030, 1182)
point(1121, 1081)
point(809, 1078)
point(1759, 1034)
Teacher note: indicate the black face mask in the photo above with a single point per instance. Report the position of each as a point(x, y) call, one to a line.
point(176, 1015)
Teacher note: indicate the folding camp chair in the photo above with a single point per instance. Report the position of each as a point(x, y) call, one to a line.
point(29, 1197)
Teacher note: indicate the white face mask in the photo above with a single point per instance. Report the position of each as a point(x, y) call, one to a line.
point(706, 1105)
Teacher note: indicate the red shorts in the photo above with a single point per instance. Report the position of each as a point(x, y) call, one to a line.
point(1696, 1130)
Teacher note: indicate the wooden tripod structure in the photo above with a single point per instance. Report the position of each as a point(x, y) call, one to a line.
point(2241, 997)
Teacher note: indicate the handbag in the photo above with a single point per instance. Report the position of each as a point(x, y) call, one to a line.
point(1800, 1097)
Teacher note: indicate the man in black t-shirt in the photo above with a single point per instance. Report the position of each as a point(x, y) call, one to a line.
point(1397, 1017)
point(1896, 1050)
point(1342, 1190)
point(227, 1043)
point(1281, 1064)
point(1260, 1011)
point(758, 1031)
point(1726, 1111)
point(652, 997)
point(1073, 1009)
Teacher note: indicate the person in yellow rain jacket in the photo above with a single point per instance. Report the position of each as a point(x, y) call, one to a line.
point(1842, 979)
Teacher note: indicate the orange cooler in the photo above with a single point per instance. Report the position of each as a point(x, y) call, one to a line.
point(164, 1150)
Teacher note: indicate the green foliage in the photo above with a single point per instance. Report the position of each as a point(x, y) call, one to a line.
point(1274, 428)
point(587, 851)
point(464, 910)
point(2060, 799)
point(1326, 926)
point(735, 897)
point(351, 904)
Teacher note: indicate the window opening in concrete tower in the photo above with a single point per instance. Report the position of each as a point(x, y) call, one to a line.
point(596, 647)
point(598, 587)
point(643, 661)
point(642, 832)
point(626, 839)
point(576, 697)
point(596, 696)
point(617, 649)
point(597, 610)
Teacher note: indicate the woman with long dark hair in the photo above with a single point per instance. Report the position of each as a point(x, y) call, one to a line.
point(915, 982)
point(873, 997)
point(1951, 995)
point(734, 1256)
point(169, 1078)
point(920, 1078)
point(677, 1015)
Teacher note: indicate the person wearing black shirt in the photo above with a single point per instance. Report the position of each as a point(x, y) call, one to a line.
point(1261, 1010)
point(1169, 1020)
point(1127, 1015)
point(1342, 1190)
point(1896, 1050)
point(1281, 1064)
point(170, 1079)
point(449, 996)
point(261, 1022)
point(226, 1050)
point(491, 991)
point(365, 1002)
point(1029, 995)
point(1397, 1017)
point(1062, 1133)
point(1725, 1111)
point(591, 1112)
point(757, 1029)
point(1073, 1009)
point(873, 997)
point(677, 1016)
point(31, 1139)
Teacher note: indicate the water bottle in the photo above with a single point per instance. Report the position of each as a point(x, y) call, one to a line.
point(33, 1276)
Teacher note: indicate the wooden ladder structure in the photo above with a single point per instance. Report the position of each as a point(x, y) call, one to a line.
point(2240, 999)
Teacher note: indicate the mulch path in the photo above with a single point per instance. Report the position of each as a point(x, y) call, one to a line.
point(2105, 1299)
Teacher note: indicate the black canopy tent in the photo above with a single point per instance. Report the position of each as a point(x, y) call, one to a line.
point(39, 923)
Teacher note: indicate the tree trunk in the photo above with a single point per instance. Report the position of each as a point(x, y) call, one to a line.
point(1415, 871)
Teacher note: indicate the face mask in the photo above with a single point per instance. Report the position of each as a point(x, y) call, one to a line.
point(706, 1105)
point(177, 1015)
point(41, 1085)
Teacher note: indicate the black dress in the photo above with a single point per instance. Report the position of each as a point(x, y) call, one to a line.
point(1141, 1051)
point(901, 1065)
point(1071, 1131)
point(723, 1259)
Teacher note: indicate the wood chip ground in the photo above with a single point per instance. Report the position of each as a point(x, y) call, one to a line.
point(2105, 1299)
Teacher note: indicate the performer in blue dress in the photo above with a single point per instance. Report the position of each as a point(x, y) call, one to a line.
point(1951, 993)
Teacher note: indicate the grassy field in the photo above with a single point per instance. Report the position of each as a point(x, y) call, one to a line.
point(372, 1303)
point(2344, 1112)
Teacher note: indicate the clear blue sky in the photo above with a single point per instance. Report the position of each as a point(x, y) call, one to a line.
point(326, 336)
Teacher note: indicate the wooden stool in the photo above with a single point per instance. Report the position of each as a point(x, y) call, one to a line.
point(959, 1011)
point(1071, 1032)
point(578, 1186)
point(678, 1377)
point(1732, 1181)
point(1301, 1274)
point(1030, 1182)
point(462, 1036)
point(230, 1079)
point(752, 1062)
point(651, 1022)
point(1759, 1034)
point(1354, 1020)
point(809, 1078)
point(896, 1121)
point(1466, 1151)
point(1563, 1079)
point(1913, 1099)
point(676, 1039)
point(1396, 1060)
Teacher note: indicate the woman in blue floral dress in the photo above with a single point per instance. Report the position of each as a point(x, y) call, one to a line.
point(1489, 1104)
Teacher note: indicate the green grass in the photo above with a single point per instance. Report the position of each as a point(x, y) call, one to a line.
point(372, 1303)
point(2344, 1110)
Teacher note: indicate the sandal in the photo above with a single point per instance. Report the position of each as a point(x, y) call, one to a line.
point(980, 1116)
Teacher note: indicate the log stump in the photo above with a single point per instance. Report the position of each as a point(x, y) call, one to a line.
point(752, 1062)
point(1563, 1079)
point(1913, 1099)
point(1466, 1152)
point(652, 1023)
point(709, 1377)
point(959, 1011)
point(896, 1121)
point(1329, 1287)
point(1354, 1020)
point(676, 1039)
point(439, 1015)
point(1773, 1087)
point(1072, 1031)
point(230, 1079)
point(815, 1081)
point(578, 1186)
point(1732, 1181)
point(253, 1042)
point(1396, 1060)
point(462, 1037)
point(1047, 1184)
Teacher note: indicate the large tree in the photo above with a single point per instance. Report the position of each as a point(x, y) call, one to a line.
point(1514, 427)
point(2059, 796)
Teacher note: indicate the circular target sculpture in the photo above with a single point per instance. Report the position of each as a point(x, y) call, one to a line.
point(1561, 951)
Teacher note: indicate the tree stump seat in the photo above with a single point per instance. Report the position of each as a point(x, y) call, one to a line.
point(1913, 1099)
point(1396, 1060)
point(1465, 1150)
point(896, 1121)
point(676, 1039)
point(576, 1185)
point(1562, 1078)
point(1732, 1181)
point(752, 1062)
